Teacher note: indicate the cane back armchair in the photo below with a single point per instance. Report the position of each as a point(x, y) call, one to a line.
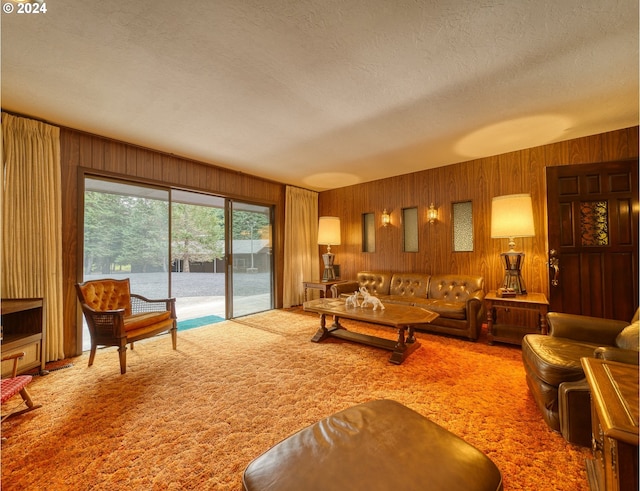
point(117, 317)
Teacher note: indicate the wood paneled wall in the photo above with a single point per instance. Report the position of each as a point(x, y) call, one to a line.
point(477, 181)
point(81, 151)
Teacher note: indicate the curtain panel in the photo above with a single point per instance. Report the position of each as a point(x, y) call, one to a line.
point(32, 220)
point(301, 257)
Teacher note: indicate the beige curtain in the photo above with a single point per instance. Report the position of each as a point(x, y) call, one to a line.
point(32, 221)
point(301, 258)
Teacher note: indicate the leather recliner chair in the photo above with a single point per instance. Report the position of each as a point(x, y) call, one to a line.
point(554, 373)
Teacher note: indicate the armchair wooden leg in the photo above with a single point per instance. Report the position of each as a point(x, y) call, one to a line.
point(92, 354)
point(122, 352)
point(174, 336)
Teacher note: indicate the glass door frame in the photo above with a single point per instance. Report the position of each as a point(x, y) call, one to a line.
point(94, 174)
point(230, 310)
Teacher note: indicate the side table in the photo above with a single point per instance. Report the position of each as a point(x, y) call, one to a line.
point(323, 286)
point(614, 420)
point(513, 334)
point(23, 323)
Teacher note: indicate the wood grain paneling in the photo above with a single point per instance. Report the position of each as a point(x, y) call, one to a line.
point(81, 152)
point(478, 181)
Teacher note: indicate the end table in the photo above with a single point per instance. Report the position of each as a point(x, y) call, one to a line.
point(509, 333)
point(323, 286)
point(614, 422)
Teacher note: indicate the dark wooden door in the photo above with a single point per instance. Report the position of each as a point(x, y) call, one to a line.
point(593, 239)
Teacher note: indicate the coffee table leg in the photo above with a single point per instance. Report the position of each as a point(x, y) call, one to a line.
point(402, 348)
point(400, 345)
point(411, 338)
point(322, 332)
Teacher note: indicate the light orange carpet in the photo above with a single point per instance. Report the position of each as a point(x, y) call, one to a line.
point(195, 417)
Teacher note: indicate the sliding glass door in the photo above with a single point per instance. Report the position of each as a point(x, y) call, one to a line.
point(250, 272)
point(198, 258)
point(126, 235)
point(212, 254)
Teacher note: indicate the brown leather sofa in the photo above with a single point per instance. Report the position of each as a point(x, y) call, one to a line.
point(458, 299)
point(554, 373)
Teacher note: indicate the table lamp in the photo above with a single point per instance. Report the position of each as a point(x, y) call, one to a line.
point(512, 216)
point(328, 234)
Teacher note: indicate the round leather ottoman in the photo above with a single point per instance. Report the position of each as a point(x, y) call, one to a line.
point(378, 445)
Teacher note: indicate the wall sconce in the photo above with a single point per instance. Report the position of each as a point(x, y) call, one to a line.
point(386, 218)
point(432, 213)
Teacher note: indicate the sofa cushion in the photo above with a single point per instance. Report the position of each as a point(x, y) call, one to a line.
point(450, 310)
point(409, 285)
point(555, 360)
point(454, 288)
point(376, 283)
point(398, 299)
point(628, 337)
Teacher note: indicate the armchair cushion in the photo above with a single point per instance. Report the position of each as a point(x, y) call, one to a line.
point(107, 295)
point(596, 330)
point(555, 360)
point(628, 337)
point(139, 321)
point(611, 353)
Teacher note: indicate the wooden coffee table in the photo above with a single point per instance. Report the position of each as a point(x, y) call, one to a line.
point(401, 317)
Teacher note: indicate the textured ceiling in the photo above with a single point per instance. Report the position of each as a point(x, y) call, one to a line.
point(326, 93)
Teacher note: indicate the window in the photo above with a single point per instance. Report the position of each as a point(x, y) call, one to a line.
point(368, 232)
point(462, 226)
point(410, 229)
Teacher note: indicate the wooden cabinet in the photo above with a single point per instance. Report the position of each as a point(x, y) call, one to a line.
point(23, 329)
point(614, 420)
point(511, 333)
point(323, 286)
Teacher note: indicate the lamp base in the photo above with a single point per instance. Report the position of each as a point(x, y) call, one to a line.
point(512, 272)
point(329, 273)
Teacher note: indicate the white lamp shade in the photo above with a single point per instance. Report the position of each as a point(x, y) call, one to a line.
point(329, 231)
point(512, 216)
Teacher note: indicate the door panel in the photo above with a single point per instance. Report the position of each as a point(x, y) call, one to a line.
point(125, 234)
point(593, 238)
point(250, 268)
point(197, 257)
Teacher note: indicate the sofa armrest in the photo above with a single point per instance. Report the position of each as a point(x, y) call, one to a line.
point(478, 296)
point(344, 287)
point(617, 354)
point(475, 312)
point(475, 303)
point(585, 328)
